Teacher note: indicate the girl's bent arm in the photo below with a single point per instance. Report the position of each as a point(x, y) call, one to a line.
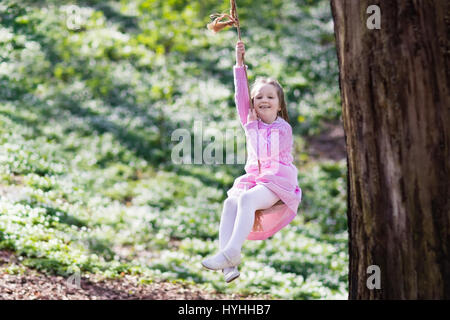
point(241, 96)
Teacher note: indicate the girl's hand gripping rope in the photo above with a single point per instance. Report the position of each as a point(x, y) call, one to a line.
point(240, 52)
point(252, 115)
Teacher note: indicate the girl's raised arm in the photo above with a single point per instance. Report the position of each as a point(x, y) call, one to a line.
point(241, 95)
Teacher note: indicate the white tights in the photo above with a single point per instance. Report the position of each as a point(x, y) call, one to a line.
point(238, 216)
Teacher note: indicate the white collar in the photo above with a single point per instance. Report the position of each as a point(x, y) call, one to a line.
point(278, 119)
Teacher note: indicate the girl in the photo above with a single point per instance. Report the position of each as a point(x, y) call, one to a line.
point(270, 175)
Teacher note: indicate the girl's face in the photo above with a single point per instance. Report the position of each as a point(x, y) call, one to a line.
point(266, 103)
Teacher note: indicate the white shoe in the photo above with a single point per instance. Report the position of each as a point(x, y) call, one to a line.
point(221, 261)
point(231, 275)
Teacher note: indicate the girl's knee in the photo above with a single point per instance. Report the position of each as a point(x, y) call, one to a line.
point(258, 198)
point(230, 202)
point(229, 208)
point(245, 199)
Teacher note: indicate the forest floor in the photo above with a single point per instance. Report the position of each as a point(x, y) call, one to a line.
point(30, 284)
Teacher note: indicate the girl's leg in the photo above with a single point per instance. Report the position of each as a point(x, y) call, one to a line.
point(227, 221)
point(227, 224)
point(259, 197)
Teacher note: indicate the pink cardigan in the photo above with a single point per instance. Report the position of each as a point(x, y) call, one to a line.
point(271, 144)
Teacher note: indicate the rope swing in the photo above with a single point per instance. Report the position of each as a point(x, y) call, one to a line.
point(216, 26)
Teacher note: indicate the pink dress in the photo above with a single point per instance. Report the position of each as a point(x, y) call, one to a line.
point(272, 145)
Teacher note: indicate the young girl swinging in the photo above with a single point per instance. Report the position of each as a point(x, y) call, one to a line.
point(266, 198)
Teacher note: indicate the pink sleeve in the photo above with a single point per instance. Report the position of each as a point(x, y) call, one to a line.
point(241, 95)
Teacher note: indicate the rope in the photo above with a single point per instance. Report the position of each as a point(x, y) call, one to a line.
point(233, 13)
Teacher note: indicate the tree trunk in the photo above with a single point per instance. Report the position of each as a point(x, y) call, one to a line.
point(394, 85)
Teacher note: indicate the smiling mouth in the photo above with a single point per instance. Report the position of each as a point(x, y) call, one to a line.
point(264, 107)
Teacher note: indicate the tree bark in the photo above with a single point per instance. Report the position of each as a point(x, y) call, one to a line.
point(394, 85)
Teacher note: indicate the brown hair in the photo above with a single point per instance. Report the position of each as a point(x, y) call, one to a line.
point(264, 80)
